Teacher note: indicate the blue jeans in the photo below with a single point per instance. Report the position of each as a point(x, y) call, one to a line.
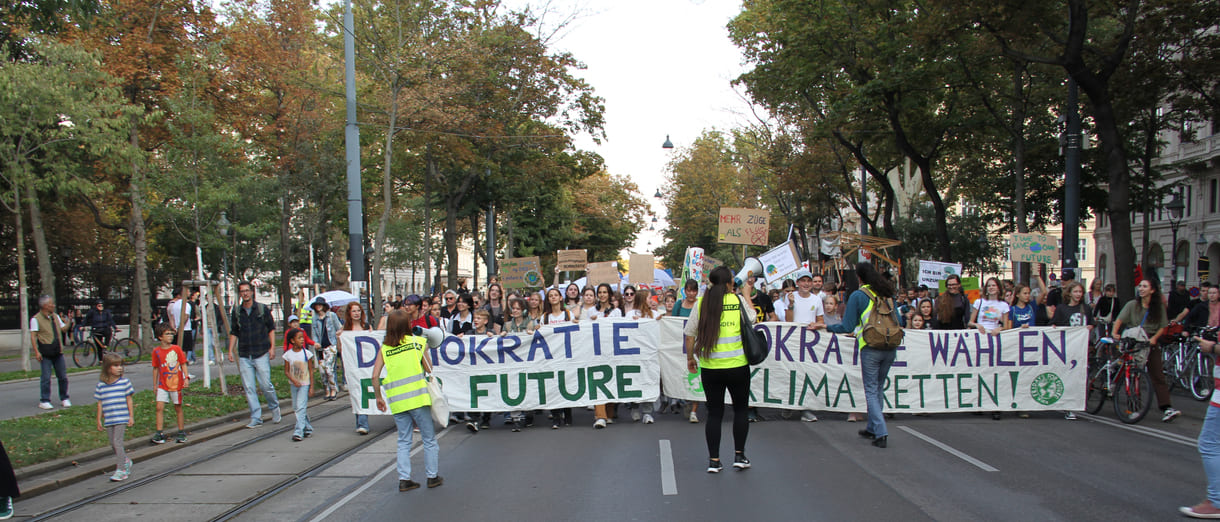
point(300, 401)
point(256, 376)
point(362, 421)
point(875, 369)
point(58, 365)
point(1209, 449)
point(422, 417)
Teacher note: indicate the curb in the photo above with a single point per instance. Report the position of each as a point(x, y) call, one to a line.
point(37, 479)
point(32, 379)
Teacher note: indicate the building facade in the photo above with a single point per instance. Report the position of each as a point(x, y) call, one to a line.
point(1194, 163)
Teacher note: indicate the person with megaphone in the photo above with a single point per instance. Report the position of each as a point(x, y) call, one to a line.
point(406, 394)
point(712, 342)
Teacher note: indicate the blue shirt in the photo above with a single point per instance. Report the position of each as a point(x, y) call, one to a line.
point(113, 398)
point(1021, 316)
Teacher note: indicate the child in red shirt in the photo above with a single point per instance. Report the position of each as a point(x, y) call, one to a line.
point(171, 377)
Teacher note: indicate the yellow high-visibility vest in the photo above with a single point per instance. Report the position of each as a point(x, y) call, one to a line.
point(728, 352)
point(404, 385)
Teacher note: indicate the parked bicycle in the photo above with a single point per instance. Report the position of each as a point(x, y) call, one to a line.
point(1115, 372)
point(89, 352)
point(1185, 365)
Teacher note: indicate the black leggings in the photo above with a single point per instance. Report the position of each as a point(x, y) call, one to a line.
point(737, 381)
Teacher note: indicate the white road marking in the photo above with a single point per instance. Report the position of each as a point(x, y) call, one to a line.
point(1151, 432)
point(376, 479)
point(950, 450)
point(669, 483)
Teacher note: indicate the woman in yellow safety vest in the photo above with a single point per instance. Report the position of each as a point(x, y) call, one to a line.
point(406, 394)
point(713, 348)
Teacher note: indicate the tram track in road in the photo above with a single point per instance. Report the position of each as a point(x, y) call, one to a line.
point(134, 484)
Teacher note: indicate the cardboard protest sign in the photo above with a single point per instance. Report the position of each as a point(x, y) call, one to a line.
point(709, 263)
point(604, 272)
point(572, 260)
point(521, 272)
point(779, 262)
point(1033, 248)
point(931, 273)
point(743, 226)
point(640, 269)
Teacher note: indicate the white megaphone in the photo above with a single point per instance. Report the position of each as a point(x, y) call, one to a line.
point(752, 267)
point(434, 335)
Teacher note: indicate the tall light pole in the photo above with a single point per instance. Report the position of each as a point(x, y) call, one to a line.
point(222, 226)
point(1175, 208)
point(355, 213)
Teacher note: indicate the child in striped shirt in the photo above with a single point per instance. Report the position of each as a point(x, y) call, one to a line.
point(115, 410)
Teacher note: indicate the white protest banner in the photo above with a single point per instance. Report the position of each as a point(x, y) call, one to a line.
point(1033, 248)
point(779, 262)
point(935, 371)
point(931, 273)
point(559, 366)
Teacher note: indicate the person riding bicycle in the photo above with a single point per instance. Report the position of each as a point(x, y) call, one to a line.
point(101, 323)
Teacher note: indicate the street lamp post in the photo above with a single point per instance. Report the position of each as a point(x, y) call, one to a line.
point(222, 226)
point(1175, 208)
point(1200, 249)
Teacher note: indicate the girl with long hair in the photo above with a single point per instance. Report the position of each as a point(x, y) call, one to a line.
point(495, 306)
point(572, 298)
point(721, 362)
point(605, 302)
point(355, 320)
point(874, 362)
point(1147, 311)
point(587, 311)
point(990, 313)
point(554, 313)
point(952, 307)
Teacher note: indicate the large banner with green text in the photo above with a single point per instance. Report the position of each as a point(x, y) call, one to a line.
point(935, 371)
point(559, 366)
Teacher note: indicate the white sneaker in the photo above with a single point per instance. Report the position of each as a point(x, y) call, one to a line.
point(648, 418)
point(45, 406)
point(119, 476)
point(1069, 416)
point(1170, 414)
point(362, 431)
point(694, 419)
point(635, 415)
point(190, 376)
point(599, 423)
point(67, 403)
point(809, 417)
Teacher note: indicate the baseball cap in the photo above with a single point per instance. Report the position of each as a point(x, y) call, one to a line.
point(803, 273)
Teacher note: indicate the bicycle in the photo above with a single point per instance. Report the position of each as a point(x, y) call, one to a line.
point(89, 352)
point(1185, 365)
point(1113, 372)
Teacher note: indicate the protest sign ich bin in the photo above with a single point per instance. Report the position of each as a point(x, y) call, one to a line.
point(931, 273)
point(596, 362)
point(572, 260)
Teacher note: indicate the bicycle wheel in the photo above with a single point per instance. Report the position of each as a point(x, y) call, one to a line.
point(1095, 396)
point(129, 350)
point(1202, 380)
point(1132, 395)
point(84, 354)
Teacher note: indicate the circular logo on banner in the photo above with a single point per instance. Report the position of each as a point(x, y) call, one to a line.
point(532, 278)
point(1047, 389)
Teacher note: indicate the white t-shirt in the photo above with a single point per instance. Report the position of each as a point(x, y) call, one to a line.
point(635, 315)
point(806, 310)
point(172, 310)
point(34, 322)
point(781, 309)
point(991, 313)
point(298, 363)
point(558, 318)
point(656, 314)
point(588, 314)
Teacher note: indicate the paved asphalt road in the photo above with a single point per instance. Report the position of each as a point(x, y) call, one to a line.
point(940, 467)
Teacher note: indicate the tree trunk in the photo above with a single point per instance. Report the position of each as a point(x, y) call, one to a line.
point(387, 196)
point(340, 276)
point(46, 274)
point(1018, 159)
point(1120, 194)
point(140, 295)
point(451, 239)
point(430, 171)
point(285, 289)
point(23, 300)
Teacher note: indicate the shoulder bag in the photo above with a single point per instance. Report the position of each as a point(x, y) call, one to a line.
point(440, 407)
point(753, 341)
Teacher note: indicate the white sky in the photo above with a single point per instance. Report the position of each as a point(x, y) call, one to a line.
point(663, 67)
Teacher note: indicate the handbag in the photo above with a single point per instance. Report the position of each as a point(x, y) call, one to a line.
point(753, 341)
point(1143, 346)
point(440, 407)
